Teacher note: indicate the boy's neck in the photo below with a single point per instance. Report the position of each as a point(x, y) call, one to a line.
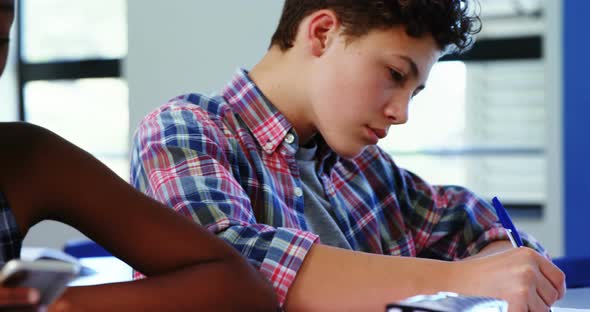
point(281, 77)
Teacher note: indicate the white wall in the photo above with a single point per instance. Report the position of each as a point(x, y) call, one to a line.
point(51, 234)
point(184, 46)
point(553, 46)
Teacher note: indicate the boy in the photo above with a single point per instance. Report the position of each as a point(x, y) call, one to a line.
point(286, 156)
point(44, 177)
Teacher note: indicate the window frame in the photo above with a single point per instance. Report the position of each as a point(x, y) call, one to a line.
point(58, 70)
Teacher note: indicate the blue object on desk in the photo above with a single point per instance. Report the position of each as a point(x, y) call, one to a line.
point(507, 223)
point(85, 248)
point(576, 269)
point(108, 270)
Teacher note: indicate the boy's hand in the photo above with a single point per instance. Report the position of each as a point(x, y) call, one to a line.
point(521, 276)
point(19, 299)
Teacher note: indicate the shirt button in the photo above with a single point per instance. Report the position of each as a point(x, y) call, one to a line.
point(298, 192)
point(268, 147)
point(290, 138)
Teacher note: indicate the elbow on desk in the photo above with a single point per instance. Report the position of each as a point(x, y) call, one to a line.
point(244, 288)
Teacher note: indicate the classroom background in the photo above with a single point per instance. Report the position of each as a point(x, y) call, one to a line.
point(509, 118)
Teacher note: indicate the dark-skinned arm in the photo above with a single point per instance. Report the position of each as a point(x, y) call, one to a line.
point(45, 177)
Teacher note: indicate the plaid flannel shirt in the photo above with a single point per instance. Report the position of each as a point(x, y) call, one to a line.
point(227, 162)
point(11, 239)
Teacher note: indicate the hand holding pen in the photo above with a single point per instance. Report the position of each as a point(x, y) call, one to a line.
point(523, 277)
point(516, 241)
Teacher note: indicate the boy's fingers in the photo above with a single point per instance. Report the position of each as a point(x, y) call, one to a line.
point(554, 275)
point(546, 290)
point(18, 296)
point(537, 304)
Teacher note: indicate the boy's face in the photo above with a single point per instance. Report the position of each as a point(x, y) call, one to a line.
point(6, 17)
point(361, 88)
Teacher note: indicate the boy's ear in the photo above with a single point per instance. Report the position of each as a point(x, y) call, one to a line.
point(322, 30)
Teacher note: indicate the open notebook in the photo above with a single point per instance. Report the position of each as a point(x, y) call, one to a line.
point(448, 302)
point(37, 253)
point(451, 302)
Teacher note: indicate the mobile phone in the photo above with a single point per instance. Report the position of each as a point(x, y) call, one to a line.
point(50, 277)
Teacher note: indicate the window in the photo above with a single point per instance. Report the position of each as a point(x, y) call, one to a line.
point(70, 79)
point(487, 129)
point(8, 83)
point(430, 143)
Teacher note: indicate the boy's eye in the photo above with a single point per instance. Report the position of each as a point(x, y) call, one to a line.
point(396, 75)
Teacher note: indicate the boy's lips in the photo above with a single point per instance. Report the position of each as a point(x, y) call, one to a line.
point(381, 133)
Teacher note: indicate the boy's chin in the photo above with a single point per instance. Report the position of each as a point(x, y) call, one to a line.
point(347, 151)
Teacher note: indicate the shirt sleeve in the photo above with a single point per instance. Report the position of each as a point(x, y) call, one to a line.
point(182, 158)
point(449, 222)
point(10, 237)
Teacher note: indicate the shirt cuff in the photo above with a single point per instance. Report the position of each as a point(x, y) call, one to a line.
point(497, 233)
point(285, 255)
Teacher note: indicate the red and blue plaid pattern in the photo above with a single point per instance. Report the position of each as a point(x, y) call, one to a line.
point(224, 162)
point(10, 237)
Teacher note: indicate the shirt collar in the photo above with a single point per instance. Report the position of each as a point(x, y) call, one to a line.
point(268, 126)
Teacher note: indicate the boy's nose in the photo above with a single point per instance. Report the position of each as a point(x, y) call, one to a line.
point(397, 110)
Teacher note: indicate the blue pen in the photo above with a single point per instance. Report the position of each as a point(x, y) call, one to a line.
point(507, 223)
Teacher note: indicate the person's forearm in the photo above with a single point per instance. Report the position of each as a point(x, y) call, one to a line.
point(216, 286)
point(492, 248)
point(334, 279)
point(189, 268)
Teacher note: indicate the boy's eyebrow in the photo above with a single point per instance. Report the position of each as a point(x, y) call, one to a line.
point(413, 65)
point(414, 68)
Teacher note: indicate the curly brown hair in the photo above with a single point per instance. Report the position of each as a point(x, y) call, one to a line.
point(450, 22)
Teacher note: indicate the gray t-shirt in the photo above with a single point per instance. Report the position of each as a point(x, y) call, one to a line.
point(318, 211)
